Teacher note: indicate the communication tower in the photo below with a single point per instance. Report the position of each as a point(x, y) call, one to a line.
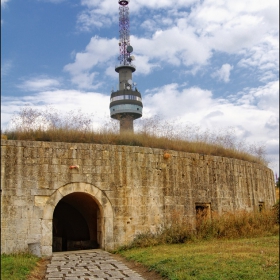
point(126, 102)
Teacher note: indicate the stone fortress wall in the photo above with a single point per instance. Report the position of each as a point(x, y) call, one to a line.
point(115, 192)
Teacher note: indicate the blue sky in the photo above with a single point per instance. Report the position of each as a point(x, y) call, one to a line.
point(212, 63)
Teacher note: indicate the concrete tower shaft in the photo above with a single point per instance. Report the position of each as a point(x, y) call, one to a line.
point(126, 102)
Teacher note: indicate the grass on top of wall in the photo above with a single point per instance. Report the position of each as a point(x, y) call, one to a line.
point(76, 127)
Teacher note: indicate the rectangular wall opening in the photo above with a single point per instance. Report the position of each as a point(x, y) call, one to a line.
point(203, 211)
point(261, 206)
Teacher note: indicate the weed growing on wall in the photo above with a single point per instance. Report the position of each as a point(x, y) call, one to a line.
point(76, 127)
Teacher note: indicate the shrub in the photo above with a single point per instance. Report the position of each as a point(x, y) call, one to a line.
point(277, 212)
point(240, 224)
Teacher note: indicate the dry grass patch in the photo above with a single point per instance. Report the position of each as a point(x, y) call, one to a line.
point(76, 127)
point(239, 224)
point(39, 272)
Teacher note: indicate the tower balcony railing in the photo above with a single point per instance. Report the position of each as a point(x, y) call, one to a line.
point(126, 97)
point(125, 64)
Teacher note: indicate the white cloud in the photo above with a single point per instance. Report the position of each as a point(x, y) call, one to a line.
point(246, 28)
point(6, 67)
point(185, 48)
point(169, 102)
point(52, 1)
point(214, 114)
point(63, 100)
point(4, 2)
point(210, 26)
point(105, 6)
point(39, 84)
point(97, 14)
point(143, 66)
point(156, 23)
point(99, 52)
point(264, 57)
point(88, 19)
point(223, 73)
point(264, 97)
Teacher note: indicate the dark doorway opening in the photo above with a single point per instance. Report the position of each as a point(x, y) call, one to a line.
point(261, 206)
point(76, 223)
point(203, 210)
point(203, 213)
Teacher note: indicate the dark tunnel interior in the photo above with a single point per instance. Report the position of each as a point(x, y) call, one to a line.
point(75, 223)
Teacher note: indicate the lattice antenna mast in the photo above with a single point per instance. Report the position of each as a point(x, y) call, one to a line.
point(126, 102)
point(124, 40)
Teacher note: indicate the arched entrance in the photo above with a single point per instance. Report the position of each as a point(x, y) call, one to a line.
point(86, 194)
point(75, 223)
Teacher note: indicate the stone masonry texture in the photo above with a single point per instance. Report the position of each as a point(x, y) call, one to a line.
point(88, 265)
point(136, 189)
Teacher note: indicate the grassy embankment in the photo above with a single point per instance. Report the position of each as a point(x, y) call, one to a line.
point(248, 259)
point(236, 245)
point(17, 266)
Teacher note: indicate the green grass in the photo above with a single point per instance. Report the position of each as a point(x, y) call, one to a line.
point(248, 259)
point(17, 266)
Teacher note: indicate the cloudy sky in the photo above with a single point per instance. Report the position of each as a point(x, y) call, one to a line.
point(211, 63)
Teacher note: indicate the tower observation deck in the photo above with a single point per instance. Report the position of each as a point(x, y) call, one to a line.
point(126, 102)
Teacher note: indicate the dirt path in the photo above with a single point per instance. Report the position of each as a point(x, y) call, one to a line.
point(142, 270)
point(39, 272)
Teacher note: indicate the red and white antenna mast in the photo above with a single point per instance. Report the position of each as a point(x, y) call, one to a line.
point(126, 102)
point(124, 41)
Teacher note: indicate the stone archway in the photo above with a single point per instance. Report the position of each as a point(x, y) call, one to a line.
point(105, 220)
point(76, 223)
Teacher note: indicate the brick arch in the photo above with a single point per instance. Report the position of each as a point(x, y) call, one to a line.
point(99, 197)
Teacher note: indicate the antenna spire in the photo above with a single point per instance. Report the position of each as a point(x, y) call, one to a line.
point(126, 102)
point(124, 40)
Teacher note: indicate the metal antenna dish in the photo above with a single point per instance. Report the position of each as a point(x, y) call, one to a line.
point(132, 57)
point(129, 49)
point(129, 82)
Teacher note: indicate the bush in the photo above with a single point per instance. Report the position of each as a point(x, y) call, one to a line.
point(277, 212)
point(240, 224)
